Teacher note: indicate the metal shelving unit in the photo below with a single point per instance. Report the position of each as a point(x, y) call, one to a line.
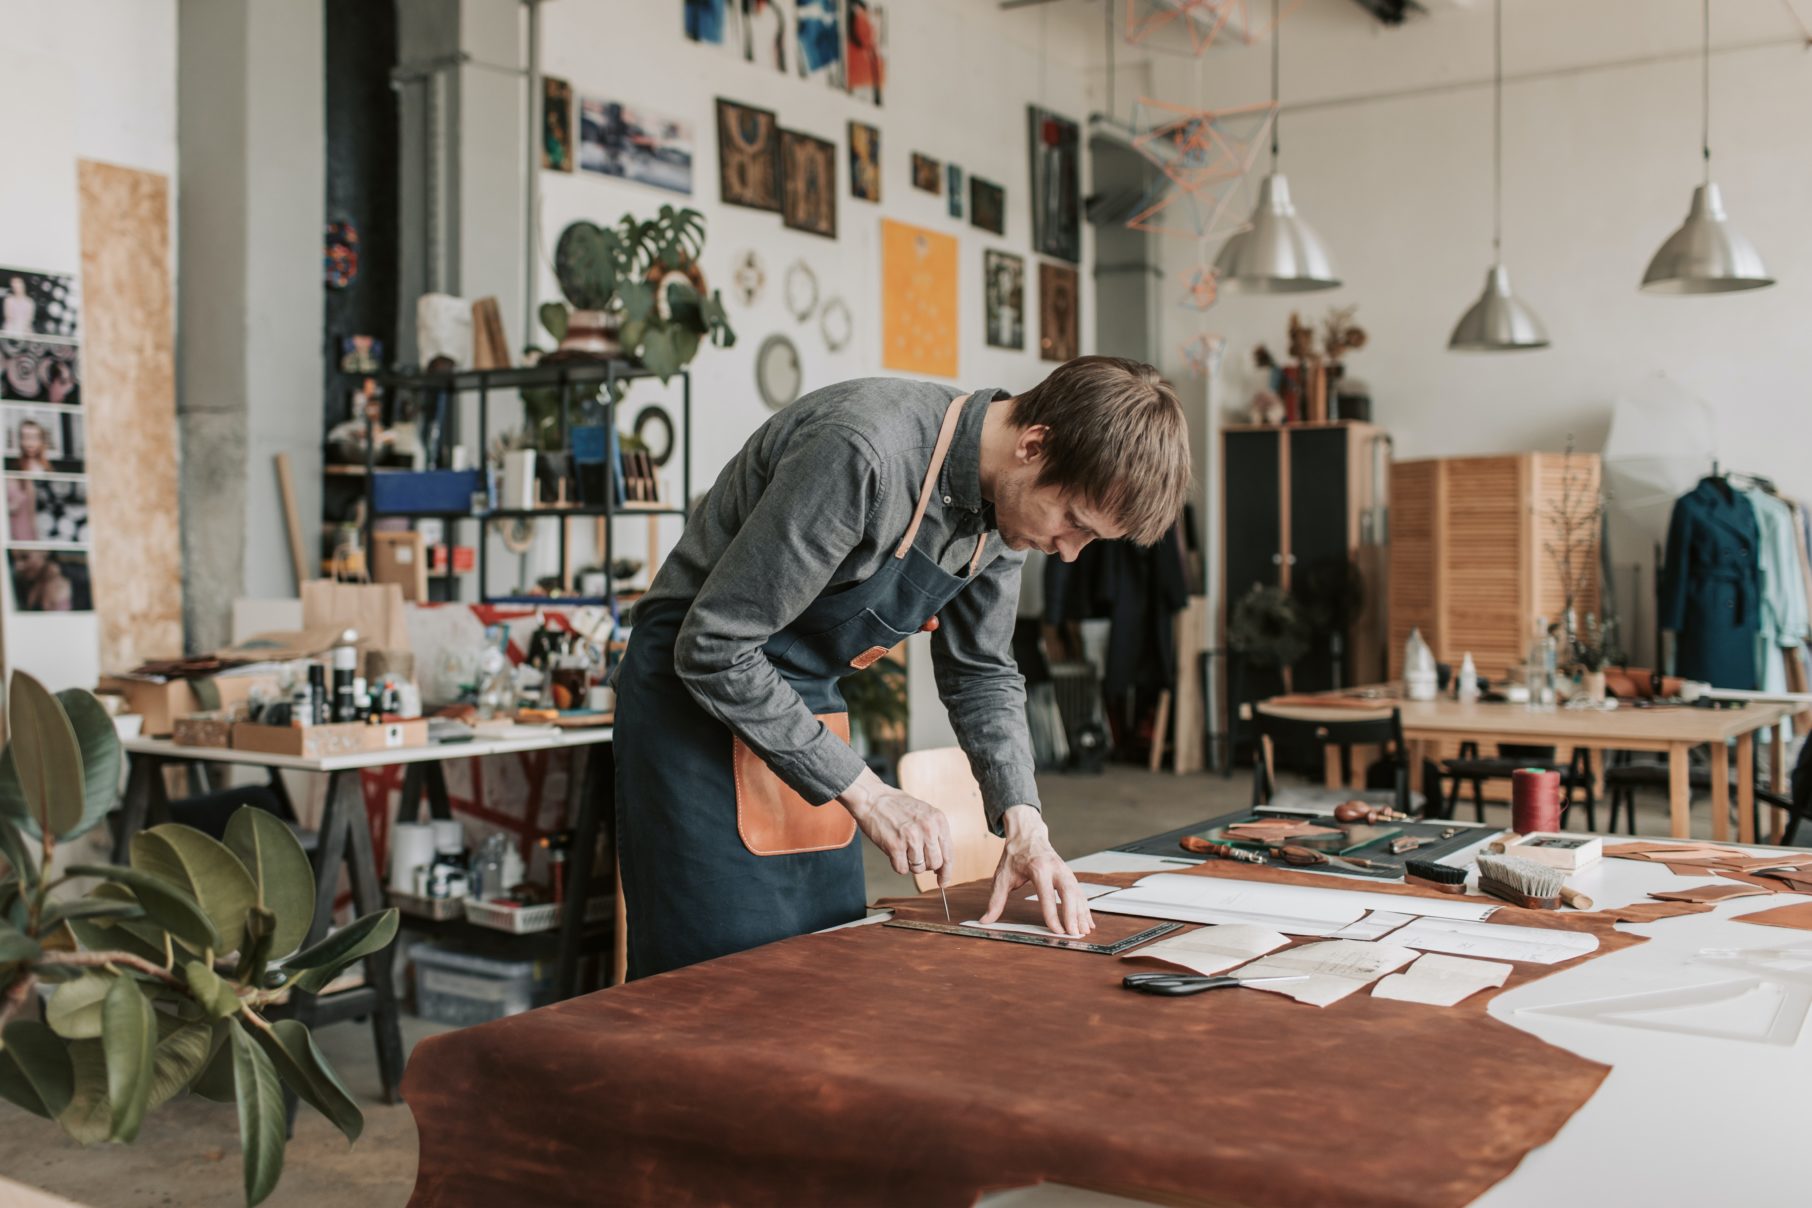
point(565, 376)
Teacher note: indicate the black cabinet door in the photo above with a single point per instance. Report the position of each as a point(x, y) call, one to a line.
point(1253, 484)
point(1319, 570)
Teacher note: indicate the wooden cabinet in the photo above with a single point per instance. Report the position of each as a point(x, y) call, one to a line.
point(1303, 509)
point(1474, 554)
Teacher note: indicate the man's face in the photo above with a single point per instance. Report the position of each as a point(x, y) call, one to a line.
point(1044, 517)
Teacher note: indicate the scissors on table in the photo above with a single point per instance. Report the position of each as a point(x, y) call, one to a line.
point(1195, 983)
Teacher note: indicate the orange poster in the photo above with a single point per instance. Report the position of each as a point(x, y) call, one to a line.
point(918, 300)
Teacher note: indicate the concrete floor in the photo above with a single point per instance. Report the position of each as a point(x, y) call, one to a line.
point(188, 1153)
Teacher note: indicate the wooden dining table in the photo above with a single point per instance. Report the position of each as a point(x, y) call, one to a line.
point(1670, 730)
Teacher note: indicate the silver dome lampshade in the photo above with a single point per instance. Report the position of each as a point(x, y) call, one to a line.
point(1279, 253)
point(1706, 255)
point(1499, 321)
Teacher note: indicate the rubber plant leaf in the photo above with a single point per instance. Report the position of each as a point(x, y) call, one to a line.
point(281, 873)
point(315, 966)
point(262, 1121)
point(129, 1038)
point(205, 867)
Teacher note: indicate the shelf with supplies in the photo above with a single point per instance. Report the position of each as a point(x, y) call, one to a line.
point(607, 480)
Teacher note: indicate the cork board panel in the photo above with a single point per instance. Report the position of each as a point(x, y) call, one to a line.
point(129, 387)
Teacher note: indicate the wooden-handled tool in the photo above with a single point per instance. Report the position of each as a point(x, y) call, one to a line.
point(1202, 847)
point(1291, 853)
point(1360, 811)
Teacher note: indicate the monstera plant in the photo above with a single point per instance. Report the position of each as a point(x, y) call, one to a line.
point(165, 972)
point(636, 288)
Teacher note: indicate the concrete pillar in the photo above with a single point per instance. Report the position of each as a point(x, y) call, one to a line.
point(251, 182)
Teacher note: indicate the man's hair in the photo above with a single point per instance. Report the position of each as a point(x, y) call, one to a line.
point(1118, 438)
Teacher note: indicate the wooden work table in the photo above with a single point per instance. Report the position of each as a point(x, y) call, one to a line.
point(1670, 730)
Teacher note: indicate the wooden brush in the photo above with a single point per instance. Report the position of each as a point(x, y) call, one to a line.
point(1444, 878)
point(1526, 883)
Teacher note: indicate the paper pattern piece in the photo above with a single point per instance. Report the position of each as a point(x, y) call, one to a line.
point(918, 300)
point(1492, 941)
point(1291, 909)
point(1708, 893)
point(1442, 981)
point(1374, 926)
point(1335, 969)
point(1208, 950)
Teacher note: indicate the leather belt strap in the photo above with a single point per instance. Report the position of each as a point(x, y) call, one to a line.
point(945, 435)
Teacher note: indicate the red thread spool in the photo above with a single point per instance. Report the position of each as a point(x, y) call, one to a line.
point(1534, 800)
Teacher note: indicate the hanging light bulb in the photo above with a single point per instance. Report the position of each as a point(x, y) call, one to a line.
point(1499, 321)
point(1278, 253)
point(1706, 255)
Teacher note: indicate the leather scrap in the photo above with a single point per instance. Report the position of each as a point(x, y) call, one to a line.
point(1707, 893)
point(1798, 917)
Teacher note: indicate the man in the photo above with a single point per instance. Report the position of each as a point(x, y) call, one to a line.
point(857, 516)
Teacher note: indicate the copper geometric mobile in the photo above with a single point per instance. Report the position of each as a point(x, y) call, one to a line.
point(1192, 26)
point(1203, 287)
point(1203, 354)
point(1197, 146)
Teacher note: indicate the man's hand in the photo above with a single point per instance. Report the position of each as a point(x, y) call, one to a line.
point(1031, 858)
point(914, 834)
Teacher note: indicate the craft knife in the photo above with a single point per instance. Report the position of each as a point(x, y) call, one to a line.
point(946, 897)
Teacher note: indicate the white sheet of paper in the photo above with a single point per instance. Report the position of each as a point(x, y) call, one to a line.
point(1089, 891)
point(1491, 941)
point(1335, 968)
point(1441, 981)
point(1374, 926)
point(1291, 909)
point(1208, 950)
point(1022, 929)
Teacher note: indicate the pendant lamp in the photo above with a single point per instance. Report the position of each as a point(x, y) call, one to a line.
point(1706, 255)
point(1499, 321)
point(1278, 253)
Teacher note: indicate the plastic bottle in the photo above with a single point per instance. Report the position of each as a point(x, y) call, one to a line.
point(1468, 688)
point(1420, 679)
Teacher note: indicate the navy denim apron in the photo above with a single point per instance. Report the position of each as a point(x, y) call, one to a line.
point(692, 889)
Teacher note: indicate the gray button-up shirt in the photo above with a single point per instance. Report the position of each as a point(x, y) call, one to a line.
point(816, 501)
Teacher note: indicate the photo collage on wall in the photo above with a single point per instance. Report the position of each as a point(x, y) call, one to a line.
point(47, 532)
point(611, 138)
point(841, 44)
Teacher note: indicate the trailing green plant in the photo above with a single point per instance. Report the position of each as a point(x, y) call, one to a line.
point(623, 269)
point(164, 970)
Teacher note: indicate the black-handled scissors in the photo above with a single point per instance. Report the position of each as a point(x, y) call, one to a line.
point(1194, 983)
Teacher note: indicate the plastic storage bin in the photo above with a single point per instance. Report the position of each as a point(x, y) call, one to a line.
point(442, 492)
point(460, 989)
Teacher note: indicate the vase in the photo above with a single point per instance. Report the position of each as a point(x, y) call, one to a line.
point(591, 333)
point(1593, 683)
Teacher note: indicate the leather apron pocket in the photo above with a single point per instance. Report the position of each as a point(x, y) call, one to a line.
point(772, 819)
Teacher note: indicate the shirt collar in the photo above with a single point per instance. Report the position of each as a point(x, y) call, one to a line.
point(960, 481)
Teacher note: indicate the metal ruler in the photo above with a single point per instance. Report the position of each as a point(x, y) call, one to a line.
point(1040, 941)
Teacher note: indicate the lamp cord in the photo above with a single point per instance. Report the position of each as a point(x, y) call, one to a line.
point(1705, 91)
point(1274, 107)
point(1497, 134)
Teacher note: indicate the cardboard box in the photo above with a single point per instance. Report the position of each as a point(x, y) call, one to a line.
point(321, 742)
point(161, 702)
point(204, 730)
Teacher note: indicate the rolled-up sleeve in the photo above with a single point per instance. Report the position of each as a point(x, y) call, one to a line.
point(980, 684)
point(812, 513)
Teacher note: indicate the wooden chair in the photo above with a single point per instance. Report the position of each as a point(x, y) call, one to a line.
point(942, 777)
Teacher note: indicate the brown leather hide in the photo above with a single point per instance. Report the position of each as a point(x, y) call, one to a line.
point(877, 1065)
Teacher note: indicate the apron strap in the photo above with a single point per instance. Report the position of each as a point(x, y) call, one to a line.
point(945, 435)
point(981, 543)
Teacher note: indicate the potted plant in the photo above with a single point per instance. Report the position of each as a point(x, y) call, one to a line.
point(878, 713)
point(165, 971)
point(635, 289)
point(1268, 627)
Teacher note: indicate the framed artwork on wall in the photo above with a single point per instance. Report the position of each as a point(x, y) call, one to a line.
point(954, 175)
point(821, 41)
point(865, 60)
point(635, 144)
point(1056, 184)
point(556, 124)
point(748, 156)
point(1004, 287)
point(1058, 318)
point(809, 183)
point(864, 161)
point(927, 173)
point(987, 205)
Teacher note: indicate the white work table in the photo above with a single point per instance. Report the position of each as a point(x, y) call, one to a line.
point(539, 740)
point(1680, 1120)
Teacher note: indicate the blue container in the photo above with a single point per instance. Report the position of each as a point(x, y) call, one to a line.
point(430, 491)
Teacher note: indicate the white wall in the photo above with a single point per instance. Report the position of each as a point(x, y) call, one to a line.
point(961, 74)
point(1598, 170)
point(89, 80)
